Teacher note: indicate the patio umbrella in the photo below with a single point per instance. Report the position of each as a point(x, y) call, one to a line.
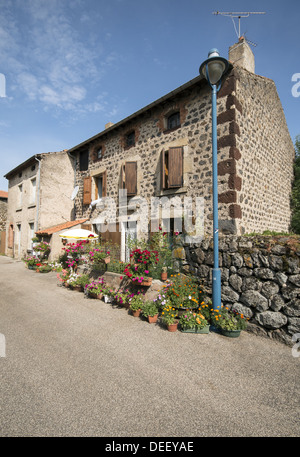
point(79, 234)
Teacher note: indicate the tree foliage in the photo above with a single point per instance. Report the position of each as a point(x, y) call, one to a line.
point(295, 200)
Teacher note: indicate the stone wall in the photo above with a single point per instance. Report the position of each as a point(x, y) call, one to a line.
point(3, 214)
point(260, 278)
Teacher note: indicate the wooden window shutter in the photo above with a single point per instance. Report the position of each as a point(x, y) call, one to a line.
point(175, 167)
point(104, 184)
point(131, 178)
point(87, 190)
point(163, 170)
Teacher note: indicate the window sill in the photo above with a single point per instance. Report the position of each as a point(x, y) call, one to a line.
point(174, 191)
point(171, 130)
point(18, 209)
point(31, 205)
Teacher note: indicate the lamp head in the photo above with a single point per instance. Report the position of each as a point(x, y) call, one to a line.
point(213, 67)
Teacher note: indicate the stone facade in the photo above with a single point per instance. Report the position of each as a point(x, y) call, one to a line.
point(39, 192)
point(3, 219)
point(255, 158)
point(3, 210)
point(260, 278)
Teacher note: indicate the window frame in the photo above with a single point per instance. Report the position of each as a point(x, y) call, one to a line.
point(169, 120)
point(130, 139)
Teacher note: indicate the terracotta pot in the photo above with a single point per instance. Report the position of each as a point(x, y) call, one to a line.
point(78, 288)
point(136, 313)
point(172, 327)
point(107, 259)
point(164, 275)
point(152, 319)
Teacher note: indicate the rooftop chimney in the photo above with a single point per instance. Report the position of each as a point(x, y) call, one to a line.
point(109, 124)
point(241, 54)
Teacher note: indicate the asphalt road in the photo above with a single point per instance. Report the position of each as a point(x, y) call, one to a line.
point(79, 367)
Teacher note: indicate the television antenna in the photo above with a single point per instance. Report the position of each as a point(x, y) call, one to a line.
point(238, 15)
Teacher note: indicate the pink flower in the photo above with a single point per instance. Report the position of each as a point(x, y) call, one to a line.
point(146, 271)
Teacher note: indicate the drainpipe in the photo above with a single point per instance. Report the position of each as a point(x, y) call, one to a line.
point(75, 163)
point(38, 195)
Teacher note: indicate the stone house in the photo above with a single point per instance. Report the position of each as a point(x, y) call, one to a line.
point(3, 217)
point(165, 150)
point(39, 196)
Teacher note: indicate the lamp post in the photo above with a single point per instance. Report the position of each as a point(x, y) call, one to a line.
point(213, 69)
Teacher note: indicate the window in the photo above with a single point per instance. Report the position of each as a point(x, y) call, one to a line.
point(20, 196)
point(19, 238)
point(129, 178)
point(173, 121)
point(172, 168)
point(130, 139)
point(100, 186)
point(32, 190)
point(99, 153)
point(11, 236)
point(31, 235)
point(84, 160)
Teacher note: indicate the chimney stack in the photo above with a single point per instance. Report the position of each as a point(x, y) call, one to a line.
point(241, 54)
point(108, 125)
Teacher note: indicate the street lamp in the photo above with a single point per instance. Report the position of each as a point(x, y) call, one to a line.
point(213, 69)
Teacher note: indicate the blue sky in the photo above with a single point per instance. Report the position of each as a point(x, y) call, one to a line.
point(71, 66)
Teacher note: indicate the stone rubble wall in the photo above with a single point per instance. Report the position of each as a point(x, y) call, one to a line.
point(260, 278)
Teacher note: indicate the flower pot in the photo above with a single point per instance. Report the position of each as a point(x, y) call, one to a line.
point(136, 313)
point(107, 260)
point(164, 275)
point(152, 319)
point(172, 327)
point(98, 296)
point(196, 330)
point(108, 299)
point(231, 333)
point(78, 288)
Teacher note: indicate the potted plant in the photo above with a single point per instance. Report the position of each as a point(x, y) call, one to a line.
point(136, 305)
point(164, 274)
point(150, 311)
point(31, 262)
point(191, 322)
point(121, 298)
point(34, 240)
point(169, 317)
point(80, 281)
point(42, 249)
point(229, 321)
point(138, 269)
point(98, 256)
point(183, 292)
point(62, 276)
point(108, 294)
point(94, 289)
point(45, 268)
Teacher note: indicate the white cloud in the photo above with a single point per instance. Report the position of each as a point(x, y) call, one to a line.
point(51, 62)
